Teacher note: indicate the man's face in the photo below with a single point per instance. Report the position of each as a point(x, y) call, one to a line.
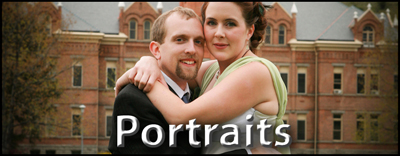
point(183, 47)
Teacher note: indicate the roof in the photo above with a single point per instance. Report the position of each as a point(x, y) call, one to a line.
point(315, 20)
point(99, 16)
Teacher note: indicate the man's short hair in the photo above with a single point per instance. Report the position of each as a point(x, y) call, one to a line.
point(158, 28)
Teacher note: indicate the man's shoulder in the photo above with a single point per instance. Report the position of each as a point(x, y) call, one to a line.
point(130, 93)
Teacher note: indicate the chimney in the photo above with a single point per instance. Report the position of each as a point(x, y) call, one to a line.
point(355, 17)
point(159, 7)
point(121, 6)
point(382, 18)
point(294, 19)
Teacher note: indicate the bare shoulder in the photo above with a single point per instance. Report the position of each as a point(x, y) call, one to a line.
point(204, 66)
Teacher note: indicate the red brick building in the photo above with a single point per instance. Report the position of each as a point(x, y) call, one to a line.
point(317, 46)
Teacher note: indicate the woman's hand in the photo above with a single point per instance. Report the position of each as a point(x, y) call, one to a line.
point(143, 75)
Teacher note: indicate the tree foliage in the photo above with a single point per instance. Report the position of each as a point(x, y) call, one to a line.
point(384, 60)
point(28, 72)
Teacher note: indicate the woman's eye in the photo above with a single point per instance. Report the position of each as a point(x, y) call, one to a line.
point(210, 23)
point(230, 24)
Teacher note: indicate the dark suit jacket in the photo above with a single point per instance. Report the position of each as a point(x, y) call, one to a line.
point(132, 101)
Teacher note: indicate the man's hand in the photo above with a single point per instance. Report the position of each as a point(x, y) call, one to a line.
point(143, 75)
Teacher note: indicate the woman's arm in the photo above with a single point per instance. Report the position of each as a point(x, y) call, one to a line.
point(241, 90)
point(146, 72)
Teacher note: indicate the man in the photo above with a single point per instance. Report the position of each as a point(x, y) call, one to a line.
point(178, 47)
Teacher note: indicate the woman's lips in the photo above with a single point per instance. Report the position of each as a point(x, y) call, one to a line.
point(220, 45)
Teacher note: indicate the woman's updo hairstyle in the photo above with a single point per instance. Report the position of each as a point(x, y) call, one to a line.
point(253, 13)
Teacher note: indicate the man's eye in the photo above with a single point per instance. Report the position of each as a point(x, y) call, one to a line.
point(179, 39)
point(199, 42)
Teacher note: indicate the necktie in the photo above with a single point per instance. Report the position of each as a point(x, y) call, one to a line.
point(185, 97)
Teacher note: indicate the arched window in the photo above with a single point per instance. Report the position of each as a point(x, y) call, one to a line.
point(147, 28)
point(368, 37)
point(268, 35)
point(132, 29)
point(282, 34)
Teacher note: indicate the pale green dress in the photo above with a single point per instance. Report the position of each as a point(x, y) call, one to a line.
point(275, 120)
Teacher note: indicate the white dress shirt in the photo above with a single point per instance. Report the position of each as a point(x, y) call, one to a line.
point(178, 90)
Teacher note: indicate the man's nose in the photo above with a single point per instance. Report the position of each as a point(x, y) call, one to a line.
point(190, 49)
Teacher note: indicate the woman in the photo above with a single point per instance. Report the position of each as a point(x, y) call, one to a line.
point(238, 84)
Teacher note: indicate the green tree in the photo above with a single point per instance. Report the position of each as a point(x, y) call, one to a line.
point(384, 60)
point(377, 7)
point(29, 72)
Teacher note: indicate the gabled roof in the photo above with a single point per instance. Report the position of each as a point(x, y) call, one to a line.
point(314, 18)
point(99, 16)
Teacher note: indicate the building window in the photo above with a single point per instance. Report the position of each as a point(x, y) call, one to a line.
point(374, 127)
point(147, 30)
point(360, 136)
point(76, 122)
point(76, 125)
point(35, 151)
point(301, 127)
point(337, 126)
point(368, 37)
point(337, 81)
point(360, 81)
point(77, 75)
point(48, 26)
point(50, 151)
point(268, 35)
point(282, 33)
point(111, 74)
point(108, 122)
point(301, 80)
point(374, 82)
point(285, 75)
point(132, 29)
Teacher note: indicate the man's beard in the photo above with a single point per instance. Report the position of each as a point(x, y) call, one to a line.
point(186, 76)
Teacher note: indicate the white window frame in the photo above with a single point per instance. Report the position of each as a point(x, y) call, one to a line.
point(110, 65)
point(302, 117)
point(144, 29)
point(285, 70)
point(302, 70)
point(284, 34)
point(73, 74)
point(107, 114)
point(136, 29)
point(361, 71)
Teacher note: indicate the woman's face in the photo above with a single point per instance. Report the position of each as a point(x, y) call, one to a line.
point(225, 30)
